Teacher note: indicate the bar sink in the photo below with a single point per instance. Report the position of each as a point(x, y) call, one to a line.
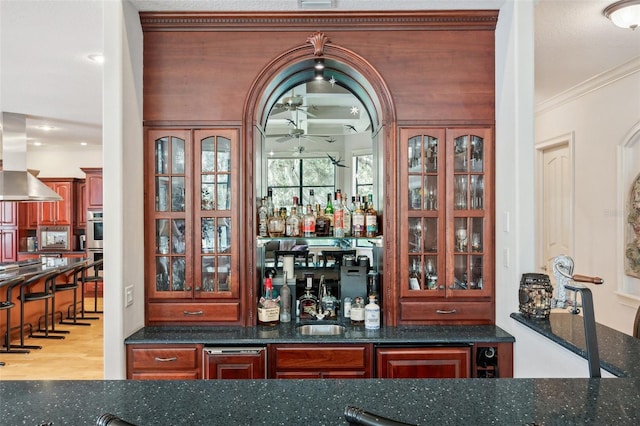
point(321, 329)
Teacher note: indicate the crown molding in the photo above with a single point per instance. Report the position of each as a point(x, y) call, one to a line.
point(591, 85)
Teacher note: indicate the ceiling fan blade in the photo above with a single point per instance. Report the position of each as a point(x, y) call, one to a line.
point(283, 139)
point(277, 110)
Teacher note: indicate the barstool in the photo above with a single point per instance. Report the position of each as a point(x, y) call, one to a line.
point(95, 279)
point(47, 293)
point(71, 276)
point(7, 305)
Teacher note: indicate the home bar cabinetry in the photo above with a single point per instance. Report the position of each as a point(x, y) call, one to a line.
point(431, 113)
point(191, 239)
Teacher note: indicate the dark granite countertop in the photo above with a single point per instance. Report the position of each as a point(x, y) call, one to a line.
point(322, 402)
point(619, 352)
point(29, 268)
point(287, 333)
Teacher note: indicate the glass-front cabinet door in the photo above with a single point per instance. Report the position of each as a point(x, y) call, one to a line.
point(192, 248)
point(446, 202)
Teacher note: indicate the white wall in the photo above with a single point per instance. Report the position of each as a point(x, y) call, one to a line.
point(63, 163)
point(602, 114)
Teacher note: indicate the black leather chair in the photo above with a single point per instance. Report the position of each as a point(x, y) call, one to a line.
point(7, 305)
point(91, 274)
point(44, 294)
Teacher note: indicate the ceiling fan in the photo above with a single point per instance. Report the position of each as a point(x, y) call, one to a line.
point(292, 103)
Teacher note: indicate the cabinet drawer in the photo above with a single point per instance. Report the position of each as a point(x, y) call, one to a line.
point(193, 312)
point(423, 363)
point(174, 375)
point(316, 358)
point(445, 312)
point(169, 358)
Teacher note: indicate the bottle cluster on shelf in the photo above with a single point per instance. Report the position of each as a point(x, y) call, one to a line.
point(338, 218)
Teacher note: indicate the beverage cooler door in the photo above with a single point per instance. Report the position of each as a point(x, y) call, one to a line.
point(235, 363)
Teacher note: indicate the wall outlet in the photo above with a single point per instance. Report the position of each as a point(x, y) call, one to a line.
point(128, 296)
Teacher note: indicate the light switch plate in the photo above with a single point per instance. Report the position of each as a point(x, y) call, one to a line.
point(128, 296)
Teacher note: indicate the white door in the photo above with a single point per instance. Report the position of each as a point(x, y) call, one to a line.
point(555, 202)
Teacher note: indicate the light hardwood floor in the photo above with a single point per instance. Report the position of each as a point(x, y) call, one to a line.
point(76, 357)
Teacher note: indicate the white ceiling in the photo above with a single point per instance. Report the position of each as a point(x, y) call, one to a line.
point(44, 44)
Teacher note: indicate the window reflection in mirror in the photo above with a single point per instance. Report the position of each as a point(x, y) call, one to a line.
point(318, 137)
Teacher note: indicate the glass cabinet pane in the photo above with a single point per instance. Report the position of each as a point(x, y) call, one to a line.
point(177, 156)
point(162, 193)
point(162, 273)
point(208, 155)
point(207, 192)
point(178, 268)
point(177, 194)
point(178, 243)
point(460, 154)
point(477, 192)
point(224, 192)
point(223, 157)
point(460, 192)
point(477, 153)
point(162, 156)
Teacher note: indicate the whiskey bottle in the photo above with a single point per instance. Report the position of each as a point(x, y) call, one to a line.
point(357, 220)
point(328, 302)
point(309, 223)
point(268, 306)
point(371, 219)
point(308, 301)
point(293, 224)
point(322, 223)
point(277, 223)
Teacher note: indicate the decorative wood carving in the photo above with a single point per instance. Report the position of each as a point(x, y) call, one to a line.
point(318, 40)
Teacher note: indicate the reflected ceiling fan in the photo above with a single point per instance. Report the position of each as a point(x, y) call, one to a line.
point(295, 133)
point(292, 103)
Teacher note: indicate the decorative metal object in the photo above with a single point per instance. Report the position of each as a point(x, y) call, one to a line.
point(318, 40)
point(536, 293)
point(563, 273)
point(632, 249)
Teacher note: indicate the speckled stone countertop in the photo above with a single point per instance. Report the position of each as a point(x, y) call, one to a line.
point(619, 352)
point(322, 402)
point(287, 333)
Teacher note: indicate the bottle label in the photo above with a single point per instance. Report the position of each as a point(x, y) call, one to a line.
point(372, 224)
point(372, 317)
point(357, 314)
point(269, 314)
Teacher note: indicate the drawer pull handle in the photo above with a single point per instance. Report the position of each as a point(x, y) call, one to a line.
point(173, 358)
point(442, 311)
point(193, 312)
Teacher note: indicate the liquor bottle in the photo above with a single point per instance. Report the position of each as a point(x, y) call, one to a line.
point(309, 223)
point(308, 301)
point(372, 286)
point(277, 223)
point(312, 198)
point(327, 301)
point(322, 223)
point(285, 300)
point(293, 224)
point(357, 311)
point(270, 206)
point(347, 215)
point(371, 219)
point(328, 213)
point(268, 306)
point(357, 220)
point(263, 218)
point(372, 314)
point(338, 217)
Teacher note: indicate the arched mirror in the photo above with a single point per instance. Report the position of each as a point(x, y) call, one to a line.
point(318, 136)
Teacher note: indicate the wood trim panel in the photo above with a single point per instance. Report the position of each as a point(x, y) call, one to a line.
point(354, 21)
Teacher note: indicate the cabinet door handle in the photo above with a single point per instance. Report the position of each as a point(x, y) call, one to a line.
point(449, 311)
point(193, 312)
point(172, 359)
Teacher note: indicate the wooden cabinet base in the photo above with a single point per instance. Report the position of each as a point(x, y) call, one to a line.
point(423, 363)
point(164, 362)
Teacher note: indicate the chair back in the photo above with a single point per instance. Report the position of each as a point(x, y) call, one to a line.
point(636, 324)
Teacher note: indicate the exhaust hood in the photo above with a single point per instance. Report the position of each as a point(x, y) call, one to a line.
point(16, 183)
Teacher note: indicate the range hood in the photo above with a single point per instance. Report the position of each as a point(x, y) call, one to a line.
point(16, 183)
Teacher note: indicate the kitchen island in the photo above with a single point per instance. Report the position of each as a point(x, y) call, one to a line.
point(322, 402)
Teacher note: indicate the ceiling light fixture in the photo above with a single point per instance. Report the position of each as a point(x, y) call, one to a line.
point(316, 4)
point(46, 127)
point(624, 13)
point(319, 65)
point(319, 74)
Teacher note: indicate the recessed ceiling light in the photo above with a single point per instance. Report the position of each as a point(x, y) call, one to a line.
point(45, 127)
point(84, 143)
point(36, 143)
point(98, 58)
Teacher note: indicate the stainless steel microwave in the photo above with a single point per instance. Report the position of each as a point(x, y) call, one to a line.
point(54, 238)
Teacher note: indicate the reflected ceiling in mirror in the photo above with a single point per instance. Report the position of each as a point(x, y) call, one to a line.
point(317, 118)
